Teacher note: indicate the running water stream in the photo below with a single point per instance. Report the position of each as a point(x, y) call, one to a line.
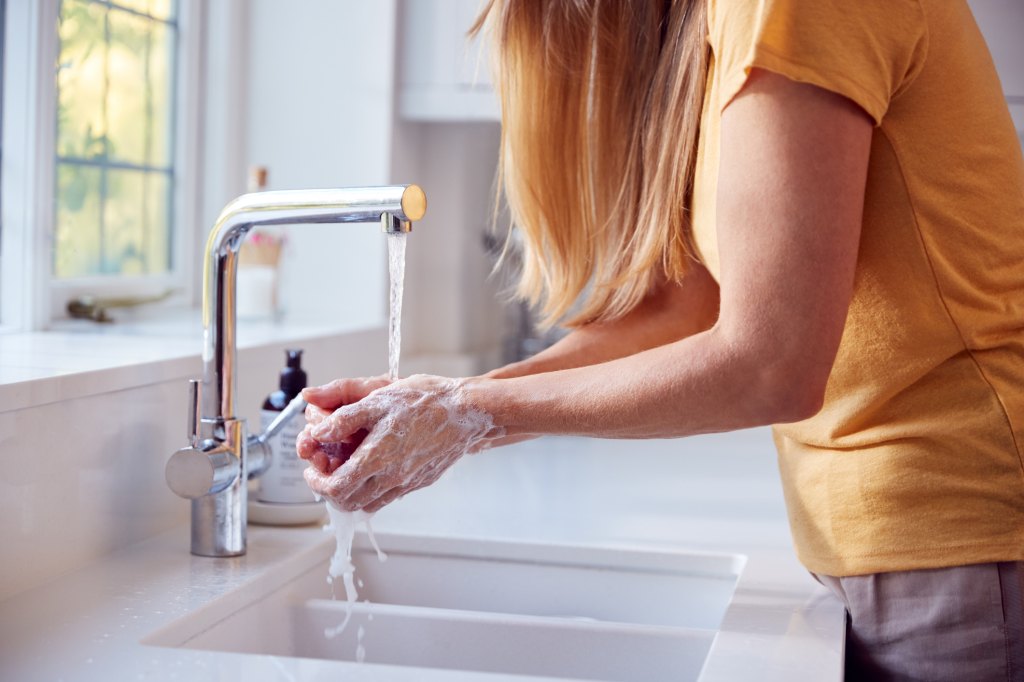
point(396, 269)
point(343, 523)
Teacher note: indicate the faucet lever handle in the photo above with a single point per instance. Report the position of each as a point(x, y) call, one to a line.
point(194, 419)
point(193, 472)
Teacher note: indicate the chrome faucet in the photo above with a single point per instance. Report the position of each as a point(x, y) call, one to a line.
point(213, 470)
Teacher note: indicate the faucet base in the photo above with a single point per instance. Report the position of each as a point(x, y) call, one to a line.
point(219, 519)
point(227, 538)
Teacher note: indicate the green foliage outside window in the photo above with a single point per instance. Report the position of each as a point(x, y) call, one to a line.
point(115, 120)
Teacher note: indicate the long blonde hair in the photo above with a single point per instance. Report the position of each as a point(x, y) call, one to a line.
point(600, 107)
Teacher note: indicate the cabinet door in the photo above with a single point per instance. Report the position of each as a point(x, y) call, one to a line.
point(444, 75)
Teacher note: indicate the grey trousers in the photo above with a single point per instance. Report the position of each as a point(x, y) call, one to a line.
point(964, 623)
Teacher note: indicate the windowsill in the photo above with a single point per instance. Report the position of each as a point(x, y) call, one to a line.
point(78, 358)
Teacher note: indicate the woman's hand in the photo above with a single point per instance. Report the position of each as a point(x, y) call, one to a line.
point(415, 429)
point(323, 400)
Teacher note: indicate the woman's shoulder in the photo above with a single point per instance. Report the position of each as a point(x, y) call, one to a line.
point(866, 50)
point(746, 19)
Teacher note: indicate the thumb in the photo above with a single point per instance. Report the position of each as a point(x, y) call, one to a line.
point(342, 392)
point(340, 426)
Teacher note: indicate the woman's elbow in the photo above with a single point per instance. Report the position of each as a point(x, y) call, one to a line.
point(788, 389)
point(795, 398)
point(776, 382)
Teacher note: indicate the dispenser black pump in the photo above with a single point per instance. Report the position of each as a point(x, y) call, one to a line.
point(293, 380)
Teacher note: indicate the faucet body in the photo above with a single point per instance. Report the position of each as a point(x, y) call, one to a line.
point(213, 470)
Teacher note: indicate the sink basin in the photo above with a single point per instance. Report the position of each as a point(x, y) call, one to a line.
point(480, 605)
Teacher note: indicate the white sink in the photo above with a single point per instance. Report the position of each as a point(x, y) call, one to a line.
point(480, 605)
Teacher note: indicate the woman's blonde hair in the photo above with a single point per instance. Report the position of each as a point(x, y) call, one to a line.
point(600, 107)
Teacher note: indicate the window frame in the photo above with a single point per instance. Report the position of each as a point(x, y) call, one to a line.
point(31, 297)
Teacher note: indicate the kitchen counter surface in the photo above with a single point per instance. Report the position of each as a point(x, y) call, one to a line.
point(711, 493)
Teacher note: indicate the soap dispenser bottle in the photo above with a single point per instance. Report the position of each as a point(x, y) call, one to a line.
point(283, 483)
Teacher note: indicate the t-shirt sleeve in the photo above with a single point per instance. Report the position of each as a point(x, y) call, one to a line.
point(865, 50)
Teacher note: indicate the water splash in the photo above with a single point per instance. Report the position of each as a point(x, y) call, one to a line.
point(343, 524)
point(396, 270)
point(360, 649)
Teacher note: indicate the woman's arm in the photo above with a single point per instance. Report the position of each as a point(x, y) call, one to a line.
point(671, 312)
point(790, 200)
point(793, 169)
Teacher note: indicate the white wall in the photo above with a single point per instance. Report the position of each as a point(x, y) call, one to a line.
point(453, 319)
point(320, 94)
point(321, 87)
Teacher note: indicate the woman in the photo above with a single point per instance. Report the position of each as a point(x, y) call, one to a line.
point(806, 213)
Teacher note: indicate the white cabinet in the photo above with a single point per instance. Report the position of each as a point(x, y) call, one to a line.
point(443, 75)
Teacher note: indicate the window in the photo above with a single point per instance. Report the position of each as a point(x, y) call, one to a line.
point(103, 111)
point(114, 168)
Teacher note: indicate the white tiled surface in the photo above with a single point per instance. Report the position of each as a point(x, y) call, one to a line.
point(718, 493)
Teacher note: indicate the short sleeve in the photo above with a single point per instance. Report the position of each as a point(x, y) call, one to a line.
point(865, 50)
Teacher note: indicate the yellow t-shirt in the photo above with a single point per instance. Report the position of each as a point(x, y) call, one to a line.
point(915, 460)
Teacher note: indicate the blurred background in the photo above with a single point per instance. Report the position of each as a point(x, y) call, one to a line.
point(167, 109)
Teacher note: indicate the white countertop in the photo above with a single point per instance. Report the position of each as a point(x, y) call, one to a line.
point(81, 358)
point(711, 493)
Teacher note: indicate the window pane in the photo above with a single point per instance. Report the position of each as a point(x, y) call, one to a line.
point(81, 127)
point(115, 170)
point(138, 102)
point(135, 223)
point(161, 9)
point(79, 242)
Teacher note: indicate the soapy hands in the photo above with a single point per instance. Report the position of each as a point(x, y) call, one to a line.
point(324, 400)
point(371, 441)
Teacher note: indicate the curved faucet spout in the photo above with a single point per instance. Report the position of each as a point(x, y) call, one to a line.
point(395, 207)
point(213, 470)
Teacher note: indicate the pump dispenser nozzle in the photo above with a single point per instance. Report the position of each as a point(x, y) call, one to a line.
point(293, 378)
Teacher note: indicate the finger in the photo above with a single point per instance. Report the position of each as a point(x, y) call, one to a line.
point(371, 489)
point(336, 489)
point(328, 485)
point(339, 480)
point(342, 391)
point(384, 500)
point(315, 415)
point(321, 462)
point(319, 482)
point(319, 456)
point(344, 423)
point(305, 445)
point(330, 396)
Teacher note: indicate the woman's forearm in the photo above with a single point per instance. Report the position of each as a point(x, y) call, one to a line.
point(673, 312)
point(702, 384)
